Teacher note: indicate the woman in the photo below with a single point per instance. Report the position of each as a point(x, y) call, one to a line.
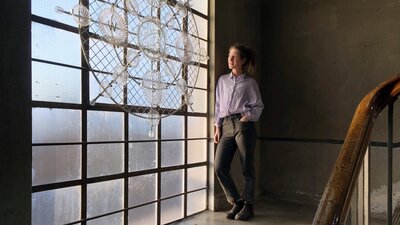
point(238, 105)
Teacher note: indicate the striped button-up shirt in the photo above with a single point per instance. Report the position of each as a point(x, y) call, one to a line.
point(237, 95)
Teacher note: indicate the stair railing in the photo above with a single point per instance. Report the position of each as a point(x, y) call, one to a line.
point(335, 201)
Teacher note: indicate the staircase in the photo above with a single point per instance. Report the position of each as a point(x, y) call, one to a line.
point(336, 200)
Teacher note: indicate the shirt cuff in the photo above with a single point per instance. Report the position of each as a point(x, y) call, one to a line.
point(247, 114)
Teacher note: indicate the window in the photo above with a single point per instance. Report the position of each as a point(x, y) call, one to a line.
point(97, 164)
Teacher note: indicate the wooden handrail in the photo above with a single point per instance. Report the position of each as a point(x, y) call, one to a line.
point(335, 201)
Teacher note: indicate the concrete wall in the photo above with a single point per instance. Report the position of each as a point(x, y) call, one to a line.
point(15, 114)
point(234, 21)
point(320, 58)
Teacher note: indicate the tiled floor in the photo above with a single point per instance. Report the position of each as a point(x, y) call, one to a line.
point(268, 211)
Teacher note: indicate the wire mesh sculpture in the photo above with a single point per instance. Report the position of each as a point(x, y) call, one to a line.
point(144, 54)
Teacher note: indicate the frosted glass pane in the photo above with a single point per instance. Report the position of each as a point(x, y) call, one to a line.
point(114, 219)
point(51, 164)
point(202, 26)
point(172, 127)
point(196, 202)
point(136, 95)
point(105, 159)
point(55, 45)
point(204, 45)
point(201, 78)
point(197, 151)
point(99, 120)
point(142, 189)
point(58, 206)
point(145, 215)
point(55, 83)
point(46, 8)
point(171, 209)
point(142, 156)
point(197, 127)
point(171, 183)
point(139, 129)
point(105, 197)
point(172, 153)
point(197, 178)
point(199, 98)
point(200, 5)
point(95, 90)
point(102, 55)
point(56, 125)
point(174, 99)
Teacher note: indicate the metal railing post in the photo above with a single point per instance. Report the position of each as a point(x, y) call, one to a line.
point(390, 163)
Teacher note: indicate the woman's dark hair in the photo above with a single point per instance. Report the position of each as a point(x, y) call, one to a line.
point(248, 55)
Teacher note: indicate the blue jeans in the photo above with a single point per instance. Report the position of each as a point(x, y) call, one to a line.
point(236, 135)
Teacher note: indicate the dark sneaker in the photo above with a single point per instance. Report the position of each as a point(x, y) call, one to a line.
point(237, 206)
point(246, 213)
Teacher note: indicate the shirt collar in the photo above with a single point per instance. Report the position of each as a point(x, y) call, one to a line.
point(239, 78)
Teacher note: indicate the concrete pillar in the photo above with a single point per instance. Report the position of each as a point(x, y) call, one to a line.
point(15, 113)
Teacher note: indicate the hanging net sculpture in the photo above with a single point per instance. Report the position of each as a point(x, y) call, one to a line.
point(144, 54)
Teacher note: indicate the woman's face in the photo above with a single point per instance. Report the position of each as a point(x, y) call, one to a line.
point(235, 62)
